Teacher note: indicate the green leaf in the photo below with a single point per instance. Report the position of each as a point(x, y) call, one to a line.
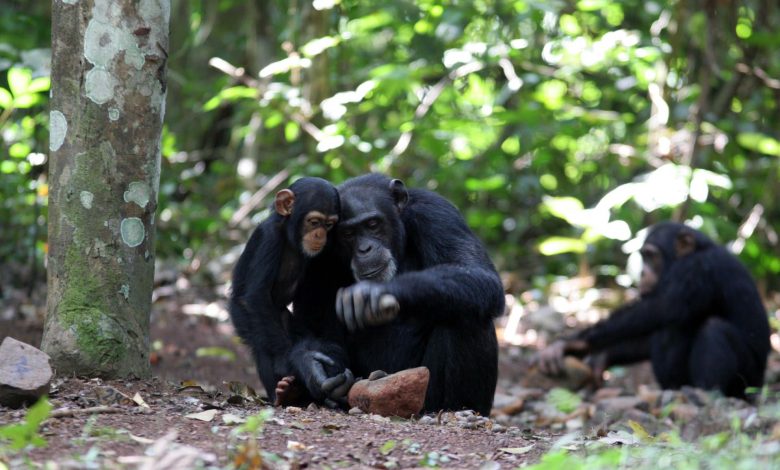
point(566, 208)
point(551, 246)
point(38, 412)
point(19, 150)
point(387, 447)
point(758, 142)
point(319, 45)
point(486, 184)
point(564, 400)
point(231, 94)
point(28, 101)
point(39, 85)
point(19, 80)
point(291, 131)
point(6, 99)
point(215, 351)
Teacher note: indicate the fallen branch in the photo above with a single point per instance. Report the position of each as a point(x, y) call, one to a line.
point(70, 413)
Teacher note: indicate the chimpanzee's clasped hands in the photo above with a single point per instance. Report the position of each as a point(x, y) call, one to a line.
point(366, 304)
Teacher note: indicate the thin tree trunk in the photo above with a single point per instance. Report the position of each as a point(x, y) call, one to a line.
point(107, 107)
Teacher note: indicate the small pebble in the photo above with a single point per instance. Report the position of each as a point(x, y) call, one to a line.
point(312, 407)
point(498, 428)
point(468, 425)
point(355, 411)
point(293, 409)
point(430, 420)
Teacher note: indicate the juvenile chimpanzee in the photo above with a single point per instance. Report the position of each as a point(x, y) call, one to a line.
point(426, 294)
point(699, 320)
point(269, 270)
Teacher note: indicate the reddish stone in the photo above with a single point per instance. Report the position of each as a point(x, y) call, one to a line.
point(400, 394)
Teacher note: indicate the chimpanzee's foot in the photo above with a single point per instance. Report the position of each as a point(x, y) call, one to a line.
point(289, 392)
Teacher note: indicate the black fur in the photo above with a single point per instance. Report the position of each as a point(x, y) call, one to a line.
point(267, 275)
point(703, 325)
point(447, 288)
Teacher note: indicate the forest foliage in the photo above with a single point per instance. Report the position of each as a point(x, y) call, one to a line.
point(559, 128)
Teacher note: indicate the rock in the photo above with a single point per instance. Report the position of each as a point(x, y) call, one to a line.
point(684, 412)
point(25, 373)
point(355, 411)
point(621, 403)
point(575, 375)
point(400, 394)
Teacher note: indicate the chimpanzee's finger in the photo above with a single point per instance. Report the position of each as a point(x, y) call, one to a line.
point(323, 358)
point(342, 390)
point(348, 310)
point(328, 385)
point(358, 303)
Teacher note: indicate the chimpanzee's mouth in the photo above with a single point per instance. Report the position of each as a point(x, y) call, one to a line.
point(376, 273)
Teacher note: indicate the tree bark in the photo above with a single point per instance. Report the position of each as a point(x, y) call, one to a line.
point(107, 107)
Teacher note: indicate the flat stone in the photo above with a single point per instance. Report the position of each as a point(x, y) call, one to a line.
point(401, 394)
point(575, 375)
point(25, 373)
point(621, 404)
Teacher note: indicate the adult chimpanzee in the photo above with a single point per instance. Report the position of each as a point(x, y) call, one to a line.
point(426, 295)
point(699, 320)
point(269, 270)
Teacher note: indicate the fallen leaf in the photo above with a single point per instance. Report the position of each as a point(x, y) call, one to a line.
point(517, 450)
point(639, 431)
point(139, 400)
point(141, 440)
point(619, 437)
point(229, 418)
point(387, 447)
point(295, 445)
point(207, 415)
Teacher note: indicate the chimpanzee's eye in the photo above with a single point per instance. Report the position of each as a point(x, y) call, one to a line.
point(372, 223)
point(328, 225)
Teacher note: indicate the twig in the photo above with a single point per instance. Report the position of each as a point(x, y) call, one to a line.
point(258, 197)
point(85, 411)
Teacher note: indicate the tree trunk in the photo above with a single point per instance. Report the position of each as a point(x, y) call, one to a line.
point(107, 106)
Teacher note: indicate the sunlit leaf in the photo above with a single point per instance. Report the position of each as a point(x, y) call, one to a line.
point(19, 80)
point(291, 131)
point(317, 46)
point(215, 351)
point(486, 184)
point(567, 208)
point(28, 100)
point(39, 85)
point(758, 142)
point(6, 99)
point(551, 246)
point(564, 400)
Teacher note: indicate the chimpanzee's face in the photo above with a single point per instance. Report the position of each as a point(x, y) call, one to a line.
point(652, 267)
point(366, 232)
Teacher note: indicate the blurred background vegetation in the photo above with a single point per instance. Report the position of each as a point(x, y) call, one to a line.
point(559, 128)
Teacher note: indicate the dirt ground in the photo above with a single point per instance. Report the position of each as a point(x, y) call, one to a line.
point(186, 384)
point(198, 366)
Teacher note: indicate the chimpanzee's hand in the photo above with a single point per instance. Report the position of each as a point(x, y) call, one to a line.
point(366, 304)
point(331, 389)
point(550, 359)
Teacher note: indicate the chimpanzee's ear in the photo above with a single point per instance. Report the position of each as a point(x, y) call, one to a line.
point(400, 195)
point(684, 243)
point(285, 200)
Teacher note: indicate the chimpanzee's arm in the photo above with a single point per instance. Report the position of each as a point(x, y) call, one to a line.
point(455, 281)
point(318, 355)
point(684, 297)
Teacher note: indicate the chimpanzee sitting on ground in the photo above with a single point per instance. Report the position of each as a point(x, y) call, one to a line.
point(700, 319)
point(267, 274)
point(426, 295)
